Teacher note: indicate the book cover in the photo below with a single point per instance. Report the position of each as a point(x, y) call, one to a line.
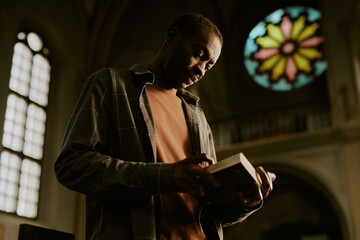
point(235, 174)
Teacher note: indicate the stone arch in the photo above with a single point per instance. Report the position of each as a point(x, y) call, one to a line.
point(300, 207)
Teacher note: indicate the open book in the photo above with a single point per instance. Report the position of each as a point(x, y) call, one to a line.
point(235, 174)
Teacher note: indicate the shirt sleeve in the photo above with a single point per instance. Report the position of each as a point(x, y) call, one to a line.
point(83, 164)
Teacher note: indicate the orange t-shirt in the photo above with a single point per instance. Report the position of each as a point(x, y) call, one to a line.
point(179, 210)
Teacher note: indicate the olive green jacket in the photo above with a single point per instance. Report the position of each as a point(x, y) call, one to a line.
point(109, 154)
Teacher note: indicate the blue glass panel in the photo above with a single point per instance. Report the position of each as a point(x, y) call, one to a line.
point(250, 47)
point(281, 85)
point(303, 79)
point(251, 66)
point(275, 17)
point(313, 14)
point(263, 80)
point(294, 12)
point(320, 67)
point(258, 30)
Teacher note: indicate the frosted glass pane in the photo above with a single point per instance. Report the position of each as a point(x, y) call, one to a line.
point(29, 188)
point(9, 178)
point(21, 69)
point(40, 78)
point(21, 35)
point(34, 41)
point(34, 134)
point(14, 125)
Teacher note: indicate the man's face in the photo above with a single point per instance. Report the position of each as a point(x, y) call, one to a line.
point(188, 58)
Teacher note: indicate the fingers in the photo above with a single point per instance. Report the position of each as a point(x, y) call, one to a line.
point(203, 159)
point(188, 172)
point(267, 179)
point(201, 173)
point(252, 199)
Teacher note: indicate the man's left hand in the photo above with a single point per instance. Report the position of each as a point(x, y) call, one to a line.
point(258, 193)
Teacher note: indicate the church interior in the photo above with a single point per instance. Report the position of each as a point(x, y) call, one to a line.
point(285, 92)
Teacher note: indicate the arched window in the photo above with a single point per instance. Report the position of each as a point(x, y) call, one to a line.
point(24, 126)
point(283, 51)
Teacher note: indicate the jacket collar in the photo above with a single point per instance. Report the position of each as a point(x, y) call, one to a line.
point(147, 76)
point(143, 73)
point(188, 97)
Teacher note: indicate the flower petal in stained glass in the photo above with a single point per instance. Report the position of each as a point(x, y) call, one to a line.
point(311, 42)
point(286, 26)
point(302, 63)
point(267, 42)
point(279, 68)
point(274, 31)
point(308, 32)
point(310, 53)
point(298, 26)
point(264, 53)
point(291, 68)
point(269, 63)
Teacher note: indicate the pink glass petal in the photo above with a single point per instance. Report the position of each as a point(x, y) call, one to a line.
point(290, 69)
point(311, 42)
point(264, 53)
point(286, 26)
point(288, 47)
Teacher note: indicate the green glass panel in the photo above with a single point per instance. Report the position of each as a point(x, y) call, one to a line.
point(298, 26)
point(275, 32)
point(310, 53)
point(279, 68)
point(308, 32)
point(302, 63)
point(267, 42)
point(269, 63)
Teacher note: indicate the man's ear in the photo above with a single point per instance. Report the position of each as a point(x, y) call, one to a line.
point(170, 37)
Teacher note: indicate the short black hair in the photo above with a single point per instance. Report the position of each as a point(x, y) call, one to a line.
point(192, 23)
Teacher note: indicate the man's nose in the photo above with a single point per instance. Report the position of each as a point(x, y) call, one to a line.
point(201, 67)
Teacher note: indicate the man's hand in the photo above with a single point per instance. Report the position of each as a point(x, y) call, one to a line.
point(258, 193)
point(189, 171)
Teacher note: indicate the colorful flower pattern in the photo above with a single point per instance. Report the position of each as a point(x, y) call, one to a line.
point(282, 52)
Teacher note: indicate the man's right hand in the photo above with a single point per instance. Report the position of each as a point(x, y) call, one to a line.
point(189, 171)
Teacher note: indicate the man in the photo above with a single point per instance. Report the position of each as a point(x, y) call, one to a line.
point(135, 144)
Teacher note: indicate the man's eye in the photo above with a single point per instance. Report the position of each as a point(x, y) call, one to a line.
point(199, 54)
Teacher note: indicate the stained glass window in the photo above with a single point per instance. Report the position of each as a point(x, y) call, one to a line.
point(24, 126)
point(283, 51)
